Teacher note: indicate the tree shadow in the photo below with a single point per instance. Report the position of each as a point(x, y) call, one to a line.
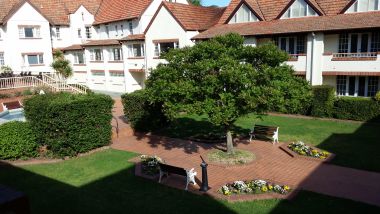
point(353, 174)
point(121, 192)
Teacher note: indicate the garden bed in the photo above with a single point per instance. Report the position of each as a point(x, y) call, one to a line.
point(325, 158)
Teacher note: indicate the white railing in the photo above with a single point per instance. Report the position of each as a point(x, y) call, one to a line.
point(355, 55)
point(55, 85)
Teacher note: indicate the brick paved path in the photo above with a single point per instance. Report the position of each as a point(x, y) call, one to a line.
point(271, 163)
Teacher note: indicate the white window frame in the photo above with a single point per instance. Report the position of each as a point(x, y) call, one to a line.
point(107, 30)
point(36, 31)
point(58, 32)
point(111, 53)
point(117, 30)
point(76, 58)
point(359, 45)
point(88, 32)
point(356, 92)
point(116, 74)
point(130, 25)
point(131, 50)
point(157, 47)
point(122, 30)
point(308, 10)
point(93, 55)
point(79, 32)
point(39, 56)
point(243, 8)
point(358, 6)
point(2, 61)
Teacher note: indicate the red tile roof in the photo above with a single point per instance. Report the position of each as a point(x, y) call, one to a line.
point(55, 11)
point(117, 10)
point(191, 17)
point(103, 42)
point(134, 37)
point(72, 48)
point(307, 24)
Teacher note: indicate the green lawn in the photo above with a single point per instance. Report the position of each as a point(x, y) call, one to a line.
point(104, 183)
point(356, 144)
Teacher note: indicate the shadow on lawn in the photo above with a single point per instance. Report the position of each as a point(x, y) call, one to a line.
point(121, 192)
point(183, 128)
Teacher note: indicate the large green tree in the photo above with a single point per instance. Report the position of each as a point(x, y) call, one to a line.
point(224, 79)
point(196, 2)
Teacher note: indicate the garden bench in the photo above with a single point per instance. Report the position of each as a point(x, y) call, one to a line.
point(268, 131)
point(166, 169)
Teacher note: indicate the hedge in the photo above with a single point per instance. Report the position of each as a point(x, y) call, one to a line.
point(323, 101)
point(17, 140)
point(69, 124)
point(142, 115)
point(355, 108)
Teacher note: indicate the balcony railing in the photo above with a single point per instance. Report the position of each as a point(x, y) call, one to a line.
point(294, 57)
point(355, 56)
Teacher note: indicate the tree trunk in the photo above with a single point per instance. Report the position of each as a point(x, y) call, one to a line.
point(230, 145)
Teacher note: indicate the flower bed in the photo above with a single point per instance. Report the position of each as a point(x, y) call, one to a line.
point(300, 149)
point(149, 164)
point(254, 187)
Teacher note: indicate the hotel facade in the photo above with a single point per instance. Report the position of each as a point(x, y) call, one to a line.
point(114, 44)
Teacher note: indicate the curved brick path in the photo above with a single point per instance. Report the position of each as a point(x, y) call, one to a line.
point(271, 163)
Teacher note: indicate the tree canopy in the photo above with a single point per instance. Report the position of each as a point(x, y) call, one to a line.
point(225, 79)
point(196, 2)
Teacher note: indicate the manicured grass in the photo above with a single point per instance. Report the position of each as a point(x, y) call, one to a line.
point(355, 144)
point(105, 183)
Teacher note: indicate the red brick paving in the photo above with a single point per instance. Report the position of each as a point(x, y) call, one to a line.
point(271, 163)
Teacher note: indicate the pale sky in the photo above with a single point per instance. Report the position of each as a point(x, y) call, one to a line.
point(220, 3)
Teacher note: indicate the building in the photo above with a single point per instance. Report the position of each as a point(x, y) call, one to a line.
point(113, 44)
point(332, 42)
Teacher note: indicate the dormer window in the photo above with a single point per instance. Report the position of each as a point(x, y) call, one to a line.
point(299, 9)
point(244, 14)
point(364, 6)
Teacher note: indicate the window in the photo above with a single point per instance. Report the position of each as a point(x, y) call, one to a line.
point(164, 47)
point(292, 45)
point(58, 32)
point(117, 73)
point(29, 32)
point(79, 33)
point(244, 14)
point(34, 59)
point(130, 24)
point(116, 30)
point(107, 31)
point(122, 30)
point(96, 55)
point(136, 50)
point(79, 58)
point(364, 6)
point(357, 86)
point(97, 73)
point(299, 9)
point(358, 42)
point(115, 54)
point(341, 85)
point(1, 58)
point(88, 32)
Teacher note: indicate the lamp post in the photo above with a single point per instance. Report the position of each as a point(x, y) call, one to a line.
point(204, 186)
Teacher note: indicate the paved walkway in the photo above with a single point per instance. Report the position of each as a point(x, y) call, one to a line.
point(271, 163)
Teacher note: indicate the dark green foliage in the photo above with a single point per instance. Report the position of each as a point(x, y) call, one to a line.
point(70, 124)
point(355, 108)
point(17, 140)
point(323, 101)
point(143, 115)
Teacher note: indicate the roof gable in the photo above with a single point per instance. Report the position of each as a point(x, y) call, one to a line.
point(235, 5)
point(311, 3)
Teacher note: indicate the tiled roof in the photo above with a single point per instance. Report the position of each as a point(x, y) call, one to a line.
point(134, 37)
point(193, 17)
point(117, 10)
point(307, 24)
point(56, 11)
point(102, 42)
point(233, 6)
point(72, 48)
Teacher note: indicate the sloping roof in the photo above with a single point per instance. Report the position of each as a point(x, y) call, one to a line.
point(334, 7)
point(56, 11)
point(133, 37)
point(298, 25)
point(102, 42)
point(117, 10)
point(235, 5)
point(74, 47)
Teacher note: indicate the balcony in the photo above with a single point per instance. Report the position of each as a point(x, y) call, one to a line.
point(298, 61)
point(368, 56)
point(351, 62)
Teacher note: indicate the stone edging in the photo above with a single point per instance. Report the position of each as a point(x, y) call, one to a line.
point(293, 154)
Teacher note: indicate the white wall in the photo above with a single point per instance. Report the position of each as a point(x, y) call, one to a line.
point(15, 46)
point(113, 34)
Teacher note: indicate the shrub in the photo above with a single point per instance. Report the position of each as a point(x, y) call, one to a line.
point(17, 140)
point(356, 108)
point(142, 115)
point(377, 96)
point(69, 124)
point(323, 101)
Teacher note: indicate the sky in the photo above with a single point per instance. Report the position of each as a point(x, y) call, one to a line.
point(221, 3)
